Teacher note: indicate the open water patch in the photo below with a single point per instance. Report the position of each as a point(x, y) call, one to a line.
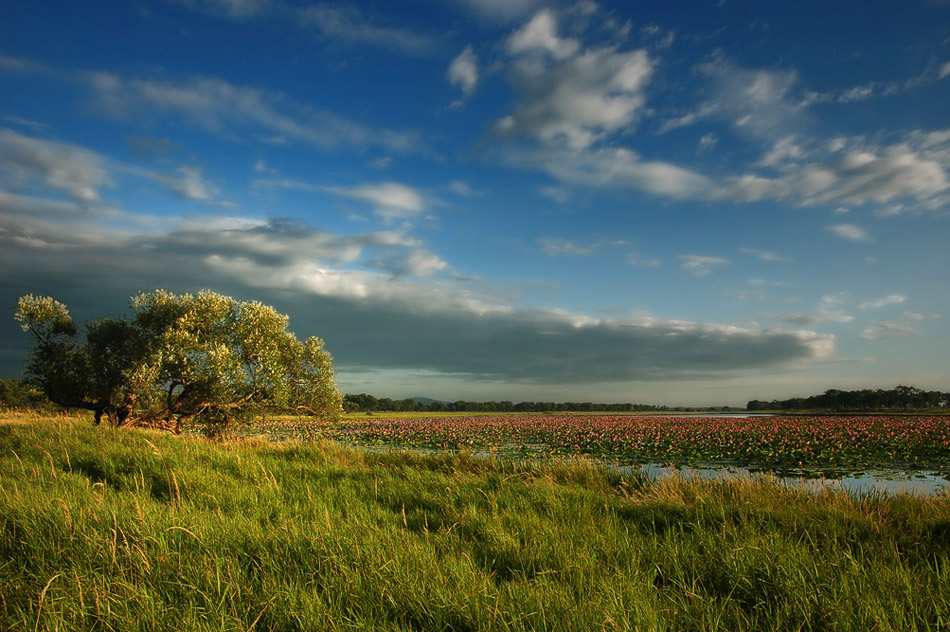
point(858, 482)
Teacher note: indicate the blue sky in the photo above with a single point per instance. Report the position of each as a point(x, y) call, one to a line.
point(673, 203)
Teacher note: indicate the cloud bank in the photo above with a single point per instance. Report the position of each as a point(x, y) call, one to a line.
point(380, 299)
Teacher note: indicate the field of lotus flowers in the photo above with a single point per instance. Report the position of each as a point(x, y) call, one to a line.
point(778, 443)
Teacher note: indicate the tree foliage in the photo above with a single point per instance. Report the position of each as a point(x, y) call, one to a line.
point(368, 403)
point(205, 358)
point(897, 398)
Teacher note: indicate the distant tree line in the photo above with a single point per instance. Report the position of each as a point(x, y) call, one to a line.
point(368, 403)
point(17, 393)
point(898, 398)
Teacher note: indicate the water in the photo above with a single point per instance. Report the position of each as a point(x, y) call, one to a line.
point(889, 482)
point(877, 481)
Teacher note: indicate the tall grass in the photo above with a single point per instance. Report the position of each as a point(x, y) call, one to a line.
point(130, 530)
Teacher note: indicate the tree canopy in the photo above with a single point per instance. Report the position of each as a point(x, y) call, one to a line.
point(203, 358)
point(899, 397)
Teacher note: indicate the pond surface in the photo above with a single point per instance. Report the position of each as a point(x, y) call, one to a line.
point(888, 482)
point(876, 481)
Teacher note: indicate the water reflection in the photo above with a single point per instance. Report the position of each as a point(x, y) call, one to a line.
point(889, 482)
point(876, 481)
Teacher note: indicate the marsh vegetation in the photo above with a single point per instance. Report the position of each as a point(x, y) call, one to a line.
point(114, 529)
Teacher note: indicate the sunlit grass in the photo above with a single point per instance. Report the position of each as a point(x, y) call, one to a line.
point(104, 529)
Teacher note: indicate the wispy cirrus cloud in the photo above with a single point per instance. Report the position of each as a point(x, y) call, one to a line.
point(28, 162)
point(614, 168)
point(884, 301)
point(850, 232)
point(188, 183)
point(882, 330)
point(44, 166)
point(502, 11)
point(831, 308)
point(390, 200)
point(770, 108)
point(701, 265)
point(557, 247)
point(230, 110)
point(346, 23)
point(764, 255)
point(335, 22)
point(234, 9)
point(756, 103)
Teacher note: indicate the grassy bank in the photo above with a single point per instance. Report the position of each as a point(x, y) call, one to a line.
point(121, 530)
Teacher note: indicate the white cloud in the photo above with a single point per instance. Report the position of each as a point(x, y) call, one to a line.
point(261, 166)
point(701, 265)
point(878, 89)
point(573, 100)
point(70, 169)
point(418, 263)
point(635, 259)
point(539, 36)
point(884, 301)
point(569, 96)
point(615, 168)
point(425, 263)
point(9, 63)
point(555, 247)
point(883, 330)
point(782, 151)
point(463, 71)
point(559, 194)
point(460, 187)
point(188, 183)
point(757, 103)
point(286, 183)
point(579, 101)
point(830, 310)
point(867, 177)
point(707, 142)
point(390, 200)
point(851, 232)
point(764, 255)
point(908, 174)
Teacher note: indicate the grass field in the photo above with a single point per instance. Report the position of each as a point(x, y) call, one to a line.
point(104, 529)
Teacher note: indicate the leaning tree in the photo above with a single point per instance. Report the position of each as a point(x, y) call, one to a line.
point(179, 358)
